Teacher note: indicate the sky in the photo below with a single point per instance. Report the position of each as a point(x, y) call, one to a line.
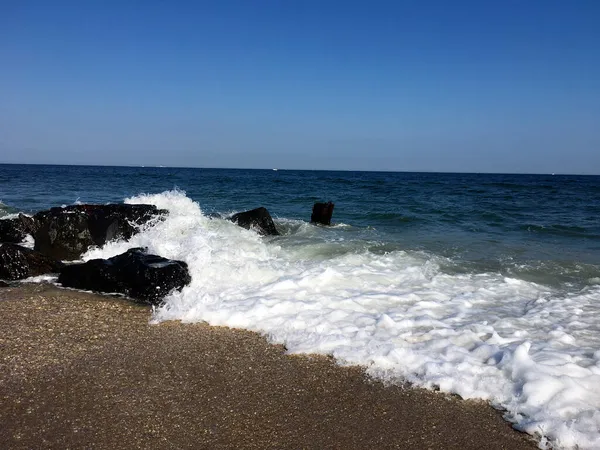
point(450, 86)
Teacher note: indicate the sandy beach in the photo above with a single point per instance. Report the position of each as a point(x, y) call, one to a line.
point(79, 370)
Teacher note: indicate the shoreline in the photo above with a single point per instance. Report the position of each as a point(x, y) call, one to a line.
point(81, 369)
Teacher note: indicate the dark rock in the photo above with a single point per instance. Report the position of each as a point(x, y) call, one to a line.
point(257, 219)
point(63, 234)
point(143, 277)
point(322, 213)
point(15, 230)
point(18, 262)
point(66, 233)
point(4, 284)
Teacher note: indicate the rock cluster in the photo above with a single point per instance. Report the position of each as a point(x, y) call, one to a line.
point(64, 234)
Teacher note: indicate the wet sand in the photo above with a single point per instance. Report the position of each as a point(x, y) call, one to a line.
point(79, 370)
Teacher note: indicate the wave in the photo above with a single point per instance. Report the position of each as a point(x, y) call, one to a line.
point(7, 211)
point(559, 230)
point(558, 275)
point(529, 349)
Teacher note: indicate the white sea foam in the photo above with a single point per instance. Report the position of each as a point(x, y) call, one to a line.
point(10, 216)
point(46, 278)
point(529, 349)
point(28, 242)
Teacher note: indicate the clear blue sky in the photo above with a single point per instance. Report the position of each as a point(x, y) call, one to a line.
point(478, 86)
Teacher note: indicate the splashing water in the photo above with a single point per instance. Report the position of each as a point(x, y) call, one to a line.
point(530, 349)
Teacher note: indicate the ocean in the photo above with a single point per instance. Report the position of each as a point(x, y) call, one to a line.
point(482, 285)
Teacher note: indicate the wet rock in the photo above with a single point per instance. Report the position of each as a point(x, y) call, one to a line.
point(322, 213)
point(15, 230)
point(4, 284)
point(66, 233)
point(143, 277)
point(257, 219)
point(18, 262)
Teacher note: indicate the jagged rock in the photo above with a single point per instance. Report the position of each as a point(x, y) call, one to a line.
point(322, 213)
point(15, 230)
point(143, 277)
point(18, 262)
point(66, 233)
point(257, 219)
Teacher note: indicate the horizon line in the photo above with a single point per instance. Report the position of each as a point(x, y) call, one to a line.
point(155, 166)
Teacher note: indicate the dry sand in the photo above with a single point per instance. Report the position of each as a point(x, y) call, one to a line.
point(80, 370)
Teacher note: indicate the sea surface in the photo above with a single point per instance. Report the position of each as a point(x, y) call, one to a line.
point(483, 285)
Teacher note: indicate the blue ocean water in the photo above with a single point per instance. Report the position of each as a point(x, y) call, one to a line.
point(543, 228)
point(484, 285)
